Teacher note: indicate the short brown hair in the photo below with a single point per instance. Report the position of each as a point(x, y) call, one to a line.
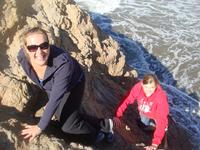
point(34, 30)
point(149, 78)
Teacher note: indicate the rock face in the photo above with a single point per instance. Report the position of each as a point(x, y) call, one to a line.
point(107, 75)
point(70, 28)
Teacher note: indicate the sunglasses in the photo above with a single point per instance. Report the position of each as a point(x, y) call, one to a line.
point(34, 48)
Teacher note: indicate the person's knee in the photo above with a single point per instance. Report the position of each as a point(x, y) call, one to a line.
point(77, 125)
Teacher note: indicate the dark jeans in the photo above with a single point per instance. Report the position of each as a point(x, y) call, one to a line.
point(71, 120)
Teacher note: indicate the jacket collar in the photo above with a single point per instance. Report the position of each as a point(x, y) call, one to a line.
point(55, 60)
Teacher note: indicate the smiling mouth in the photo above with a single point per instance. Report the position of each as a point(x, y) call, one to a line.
point(41, 58)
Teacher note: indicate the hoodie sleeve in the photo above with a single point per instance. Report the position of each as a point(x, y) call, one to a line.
point(161, 119)
point(129, 98)
point(62, 78)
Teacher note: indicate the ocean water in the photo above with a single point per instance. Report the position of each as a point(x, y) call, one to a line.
point(162, 37)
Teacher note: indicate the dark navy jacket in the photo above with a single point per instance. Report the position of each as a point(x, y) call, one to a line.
point(62, 74)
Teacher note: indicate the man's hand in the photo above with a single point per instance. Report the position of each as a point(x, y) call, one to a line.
point(30, 132)
point(152, 147)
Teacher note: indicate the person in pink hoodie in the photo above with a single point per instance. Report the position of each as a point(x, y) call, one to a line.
point(152, 106)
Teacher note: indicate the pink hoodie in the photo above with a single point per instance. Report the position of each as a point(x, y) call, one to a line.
point(155, 107)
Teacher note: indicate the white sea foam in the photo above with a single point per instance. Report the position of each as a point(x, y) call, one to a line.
point(99, 6)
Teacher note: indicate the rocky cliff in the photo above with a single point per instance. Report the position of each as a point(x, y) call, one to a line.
point(107, 75)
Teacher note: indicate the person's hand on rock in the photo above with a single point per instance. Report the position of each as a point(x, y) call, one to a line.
point(30, 132)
